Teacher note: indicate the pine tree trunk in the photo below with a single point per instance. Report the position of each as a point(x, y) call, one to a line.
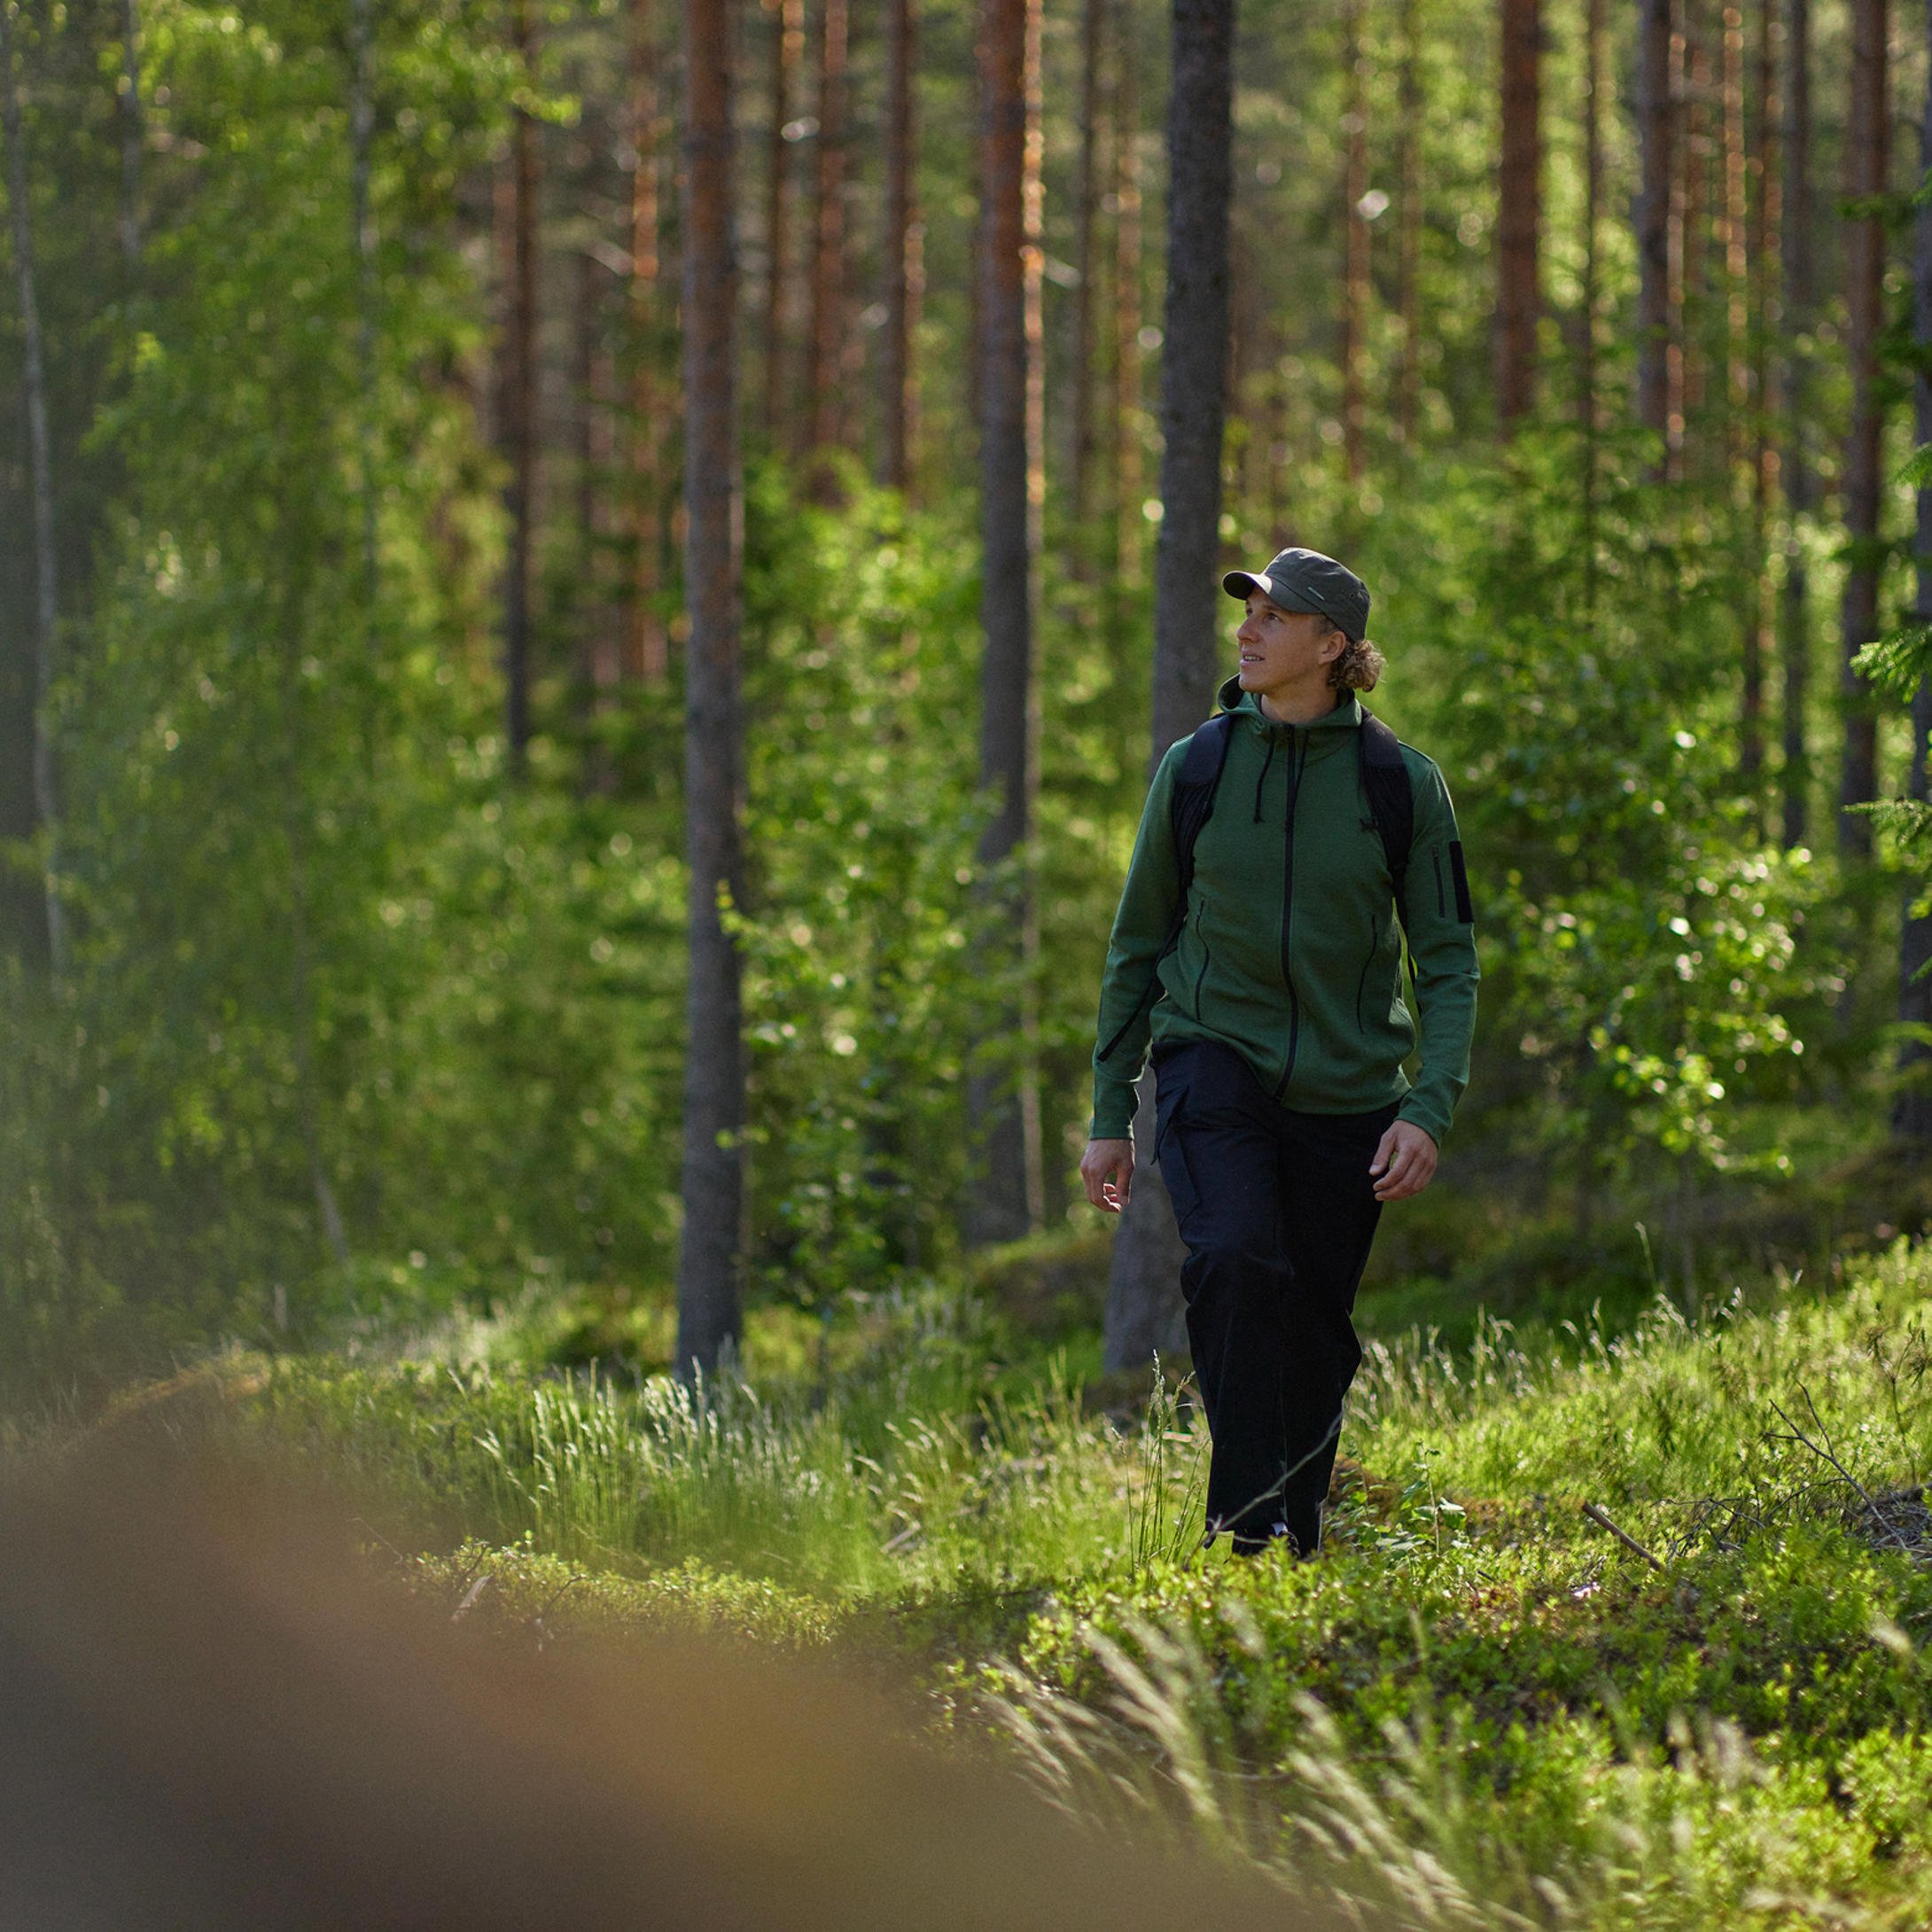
point(1868, 133)
point(905, 275)
point(1355, 257)
point(709, 1261)
point(1799, 483)
point(40, 464)
point(1129, 398)
point(1760, 270)
point(1655, 321)
point(1143, 1298)
point(788, 53)
point(1588, 411)
point(1409, 242)
point(1520, 210)
point(1008, 1197)
point(1912, 1116)
point(823, 329)
point(362, 139)
point(647, 653)
point(516, 406)
point(1690, 223)
point(1086, 204)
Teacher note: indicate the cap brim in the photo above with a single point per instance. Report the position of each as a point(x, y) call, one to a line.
point(1244, 583)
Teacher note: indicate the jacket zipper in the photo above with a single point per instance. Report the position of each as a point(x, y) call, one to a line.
point(1288, 909)
point(1361, 985)
point(1200, 979)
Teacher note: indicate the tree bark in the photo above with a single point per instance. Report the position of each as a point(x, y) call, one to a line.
point(1080, 439)
point(1867, 134)
point(1009, 1197)
point(1657, 322)
point(1129, 399)
point(1520, 207)
point(40, 463)
point(1143, 1299)
point(647, 653)
point(361, 140)
point(1355, 288)
point(1759, 245)
point(827, 297)
point(905, 269)
point(788, 53)
point(1589, 413)
point(1799, 483)
point(1409, 241)
point(516, 404)
point(1912, 1116)
point(709, 1261)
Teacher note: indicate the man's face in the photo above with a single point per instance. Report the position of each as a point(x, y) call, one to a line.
point(1280, 648)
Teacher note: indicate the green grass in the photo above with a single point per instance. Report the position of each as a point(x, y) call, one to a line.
point(1478, 1709)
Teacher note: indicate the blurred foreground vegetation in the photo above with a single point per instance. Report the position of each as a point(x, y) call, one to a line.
point(1479, 1708)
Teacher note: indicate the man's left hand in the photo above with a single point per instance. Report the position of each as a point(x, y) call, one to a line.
point(1404, 1164)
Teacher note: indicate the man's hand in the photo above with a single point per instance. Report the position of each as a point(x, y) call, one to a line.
point(1404, 1164)
point(1106, 1172)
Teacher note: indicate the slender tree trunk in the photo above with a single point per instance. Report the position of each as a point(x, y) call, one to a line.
point(709, 1261)
point(1799, 483)
point(131, 135)
point(1589, 413)
point(647, 651)
point(1690, 221)
point(824, 328)
point(1081, 377)
point(1143, 1299)
point(1912, 1116)
point(517, 405)
point(788, 53)
point(46, 591)
point(1520, 210)
point(1655, 321)
point(905, 270)
point(1129, 387)
point(1409, 241)
point(1355, 290)
point(1760, 242)
point(1008, 1197)
point(1868, 133)
point(362, 139)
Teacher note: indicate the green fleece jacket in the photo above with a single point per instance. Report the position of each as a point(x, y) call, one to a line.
point(1290, 951)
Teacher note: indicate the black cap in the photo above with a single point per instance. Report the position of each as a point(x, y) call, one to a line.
point(1307, 581)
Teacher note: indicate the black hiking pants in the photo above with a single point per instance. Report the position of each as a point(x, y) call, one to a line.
point(1278, 1213)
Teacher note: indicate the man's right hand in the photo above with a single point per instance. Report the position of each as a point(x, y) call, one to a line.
point(1106, 1172)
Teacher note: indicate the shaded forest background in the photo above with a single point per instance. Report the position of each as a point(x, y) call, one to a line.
point(349, 626)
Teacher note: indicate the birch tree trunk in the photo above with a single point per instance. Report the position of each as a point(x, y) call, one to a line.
point(40, 463)
point(1009, 1194)
point(1520, 210)
point(1912, 1116)
point(1144, 1309)
point(709, 1261)
point(1867, 130)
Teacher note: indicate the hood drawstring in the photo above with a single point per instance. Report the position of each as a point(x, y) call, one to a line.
point(1274, 739)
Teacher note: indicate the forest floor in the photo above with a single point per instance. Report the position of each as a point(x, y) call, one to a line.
point(1612, 1628)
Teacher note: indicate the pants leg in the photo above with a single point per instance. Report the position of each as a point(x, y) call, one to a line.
point(1329, 1213)
point(1221, 1159)
point(1278, 1214)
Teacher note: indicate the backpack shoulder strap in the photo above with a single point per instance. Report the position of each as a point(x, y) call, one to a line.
point(1391, 796)
point(1190, 807)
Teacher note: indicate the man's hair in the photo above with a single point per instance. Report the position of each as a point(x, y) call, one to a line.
point(1360, 664)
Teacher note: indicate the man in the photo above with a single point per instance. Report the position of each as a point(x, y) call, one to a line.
point(1270, 984)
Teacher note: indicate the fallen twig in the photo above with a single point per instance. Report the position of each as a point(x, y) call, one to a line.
point(1602, 1521)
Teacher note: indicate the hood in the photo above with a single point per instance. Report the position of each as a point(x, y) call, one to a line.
point(1346, 716)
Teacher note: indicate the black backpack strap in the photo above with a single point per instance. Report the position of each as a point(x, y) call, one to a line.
point(1191, 806)
point(1391, 796)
